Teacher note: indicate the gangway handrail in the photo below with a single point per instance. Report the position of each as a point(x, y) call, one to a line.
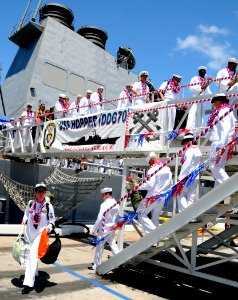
point(178, 221)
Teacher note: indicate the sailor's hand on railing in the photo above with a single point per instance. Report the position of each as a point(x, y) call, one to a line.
point(92, 233)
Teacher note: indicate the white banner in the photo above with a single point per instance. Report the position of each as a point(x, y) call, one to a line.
point(104, 132)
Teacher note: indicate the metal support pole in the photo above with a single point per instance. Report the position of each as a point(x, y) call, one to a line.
point(120, 240)
point(24, 16)
point(36, 11)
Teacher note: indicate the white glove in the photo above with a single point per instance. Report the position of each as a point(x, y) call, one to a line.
point(49, 228)
point(93, 233)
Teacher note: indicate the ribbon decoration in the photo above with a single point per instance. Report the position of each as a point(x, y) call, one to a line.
point(188, 145)
point(173, 134)
point(140, 140)
point(175, 190)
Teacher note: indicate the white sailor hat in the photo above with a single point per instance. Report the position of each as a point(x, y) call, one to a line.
point(89, 92)
point(129, 84)
point(79, 95)
point(220, 96)
point(40, 185)
point(178, 76)
point(106, 190)
point(202, 68)
point(63, 96)
point(233, 60)
point(29, 105)
point(187, 136)
point(143, 73)
point(150, 156)
point(100, 87)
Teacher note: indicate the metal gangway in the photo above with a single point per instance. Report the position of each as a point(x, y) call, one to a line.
point(170, 236)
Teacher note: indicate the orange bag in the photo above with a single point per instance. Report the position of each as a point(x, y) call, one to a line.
point(44, 244)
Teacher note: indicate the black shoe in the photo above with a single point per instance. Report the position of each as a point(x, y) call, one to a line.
point(27, 289)
point(194, 221)
point(233, 244)
point(91, 268)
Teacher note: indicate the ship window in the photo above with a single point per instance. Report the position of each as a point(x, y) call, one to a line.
point(54, 77)
point(76, 84)
point(94, 86)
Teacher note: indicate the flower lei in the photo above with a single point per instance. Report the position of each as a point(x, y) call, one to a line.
point(174, 88)
point(201, 80)
point(77, 105)
point(143, 86)
point(128, 95)
point(216, 112)
point(100, 98)
point(231, 73)
point(33, 213)
point(63, 104)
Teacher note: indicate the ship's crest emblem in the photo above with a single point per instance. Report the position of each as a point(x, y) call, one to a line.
point(49, 135)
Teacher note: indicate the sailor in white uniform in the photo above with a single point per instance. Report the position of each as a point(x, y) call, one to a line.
point(199, 86)
point(110, 220)
point(157, 184)
point(28, 119)
point(60, 107)
point(39, 215)
point(228, 85)
point(170, 92)
point(221, 134)
point(84, 103)
point(141, 89)
point(126, 95)
point(74, 108)
point(96, 101)
point(190, 161)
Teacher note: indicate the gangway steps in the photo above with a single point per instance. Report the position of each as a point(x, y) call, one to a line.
point(177, 226)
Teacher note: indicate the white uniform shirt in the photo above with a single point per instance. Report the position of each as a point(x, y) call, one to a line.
point(127, 102)
point(169, 94)
point(31, 231)
point(138, 86)
point(110, 216)
point(28, 118)
point(196, 89)
point(84, 102)
point(74, 109)
point(222, 85)
point(94, 99)
point(159, 183)
point(224, 130)
point(191, 161)
point(59, 111)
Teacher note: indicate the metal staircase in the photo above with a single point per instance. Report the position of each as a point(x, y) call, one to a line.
point(169, 234)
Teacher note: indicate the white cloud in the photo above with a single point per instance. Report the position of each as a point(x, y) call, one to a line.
point(213, 29)
point(216, 50)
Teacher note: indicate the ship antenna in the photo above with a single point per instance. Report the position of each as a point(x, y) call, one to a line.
point(3, 106)
point(24, 16)
point(36, 11)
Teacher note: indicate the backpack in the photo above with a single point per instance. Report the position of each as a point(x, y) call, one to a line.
point(54, 249)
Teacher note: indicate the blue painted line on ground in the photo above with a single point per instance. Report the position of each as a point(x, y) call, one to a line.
point(98, 284)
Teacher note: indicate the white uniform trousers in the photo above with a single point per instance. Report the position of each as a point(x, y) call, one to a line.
point(155, 209)
point(188, 196)
point(32, 263)
point(218, 170)
point(167, 116)
point(100, 247)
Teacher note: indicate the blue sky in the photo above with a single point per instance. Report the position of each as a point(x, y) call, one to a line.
point(166, 37)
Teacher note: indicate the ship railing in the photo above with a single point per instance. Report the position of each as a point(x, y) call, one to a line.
point(26, 139)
